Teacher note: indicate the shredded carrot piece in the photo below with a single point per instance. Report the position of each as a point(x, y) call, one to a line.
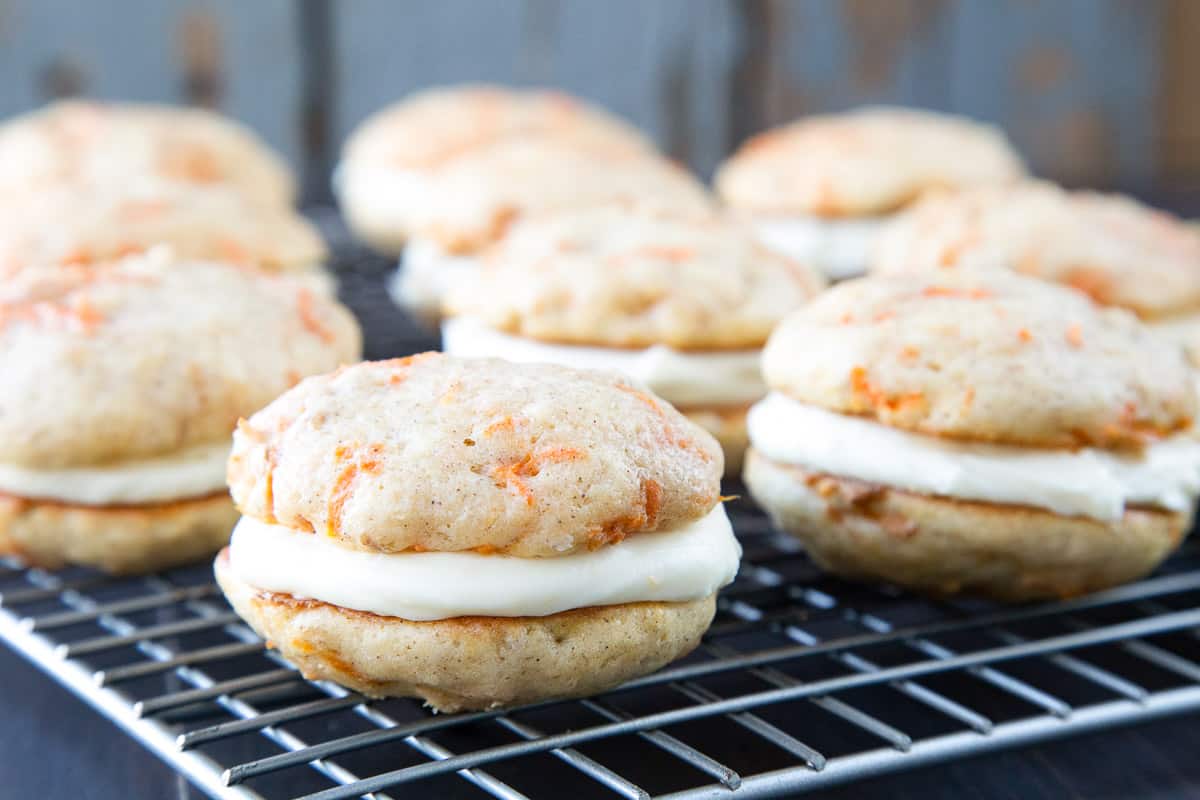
point(505, 424)
point(947, 291)
point(304, 305)
point(1024, 335)
point(860, 384)
point(359, 461)
point(512, 474)
point(1075, 336)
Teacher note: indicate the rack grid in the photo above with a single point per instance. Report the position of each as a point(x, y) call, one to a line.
point(803, 681)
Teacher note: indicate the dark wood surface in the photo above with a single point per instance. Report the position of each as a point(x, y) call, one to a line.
point(53, 746)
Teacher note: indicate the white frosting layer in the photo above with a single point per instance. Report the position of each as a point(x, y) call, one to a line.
point(1087, 482)
point(388, 196)
point(840, 248)
point(426, 274)
point(689, 563)
point(681, 378)
point(194, 472)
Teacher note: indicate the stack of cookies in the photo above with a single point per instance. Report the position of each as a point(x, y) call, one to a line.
point(538, 513)
point(155, 286)
point(443, 174)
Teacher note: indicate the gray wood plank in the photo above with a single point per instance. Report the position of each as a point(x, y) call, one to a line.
point(243, 57)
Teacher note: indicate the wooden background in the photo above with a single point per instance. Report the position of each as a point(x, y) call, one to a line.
point(1099, 92)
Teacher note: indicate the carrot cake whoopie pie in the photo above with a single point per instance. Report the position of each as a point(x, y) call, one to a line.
point(821, 188)
point(392, 158)
point(979, 432)
point(476, 533)
point(680, 301)
point(112, 143)
point(122, 382)
point(1115, 249)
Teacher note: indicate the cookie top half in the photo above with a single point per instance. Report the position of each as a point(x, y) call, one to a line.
point(438, 453)
point(869, 161)
point(429, 128)
point(989, 356)
point(477, 196)
point(622, 276)
point(143, 357)
point(81, 224)
point(78, 141)
point(1115, 249)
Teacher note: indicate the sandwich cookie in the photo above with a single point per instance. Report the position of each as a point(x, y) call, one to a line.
point(113, 143)
point(821, 188)
point(393, 157)
point(66, 224)
point(983, 432)
point(682, 302)
point(122, 383)
point(476, 533)
point(1115, 249)
point(479, 195)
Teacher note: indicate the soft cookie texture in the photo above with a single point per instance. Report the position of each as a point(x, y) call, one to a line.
point(416, 137)
point(943, 546)
point(864, 162)
point(75, 223)
point(454, 665)
point(619, 276)
point(77, 141)
point(478, 195)
point(988, 356)
point(146, 356)
point(1116, 250)
point(530, 461)
point(431, 127)
point(118, 539)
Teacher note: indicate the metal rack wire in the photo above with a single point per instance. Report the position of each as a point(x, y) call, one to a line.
point(802, 682)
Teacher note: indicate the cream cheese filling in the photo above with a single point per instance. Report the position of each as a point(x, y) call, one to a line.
point(1088, 482)
point(700, 379)
point(426, 275)
point(194, 472)
point(388, 196)
point(840, 248)
point(688, 563)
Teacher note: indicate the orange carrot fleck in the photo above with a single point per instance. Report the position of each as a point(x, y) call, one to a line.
point(948, 291)
point(304, 305)
point(1024, 335)
point(1075, 336)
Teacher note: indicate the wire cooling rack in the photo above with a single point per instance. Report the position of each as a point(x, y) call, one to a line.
point(803, 681)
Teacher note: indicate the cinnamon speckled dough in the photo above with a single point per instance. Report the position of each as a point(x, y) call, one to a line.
point(146, 356)
point(121, 539)
point(943, 546)
point(989, 356)
point(439, 453)
point(869, 161)
point(421, 133)
point(1118, 251)
point(478, 195)
point(470, 663)
point(77, 141)
point(77, 224)
point(620, 276)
